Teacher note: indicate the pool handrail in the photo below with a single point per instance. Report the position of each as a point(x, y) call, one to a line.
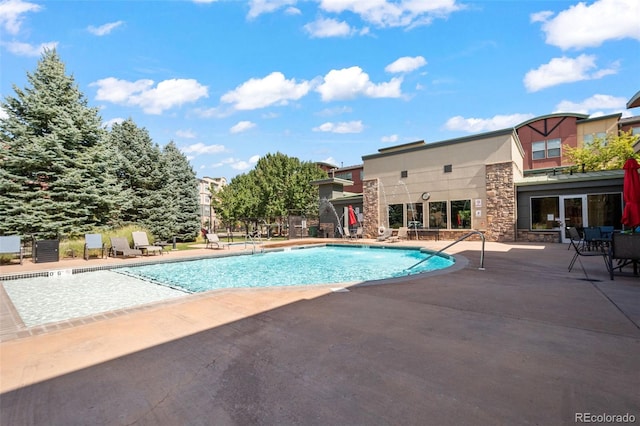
point(464, 237)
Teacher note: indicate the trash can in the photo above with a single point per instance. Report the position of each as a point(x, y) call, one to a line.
point(46, 251)
point(313, 231)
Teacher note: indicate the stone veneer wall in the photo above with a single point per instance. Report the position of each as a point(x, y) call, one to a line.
point(538, 236)
point(370, 207)
point(501, 202)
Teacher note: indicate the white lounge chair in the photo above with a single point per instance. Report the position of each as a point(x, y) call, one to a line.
point(213, 241)
point(141, 242)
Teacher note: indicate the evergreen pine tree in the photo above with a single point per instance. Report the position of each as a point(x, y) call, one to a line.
point(142, 176)
point(182, 218)
point(49, 184)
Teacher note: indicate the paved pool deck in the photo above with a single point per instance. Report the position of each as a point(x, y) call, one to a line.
point(522, 342)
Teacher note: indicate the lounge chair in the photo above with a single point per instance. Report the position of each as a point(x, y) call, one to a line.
point(213, 241)
point(403, 233)
point(346, 232)
point(121, 245)
point(93, 242)
point(141, 242)
point(386, 234)
point(359, 232)
point(10, 244)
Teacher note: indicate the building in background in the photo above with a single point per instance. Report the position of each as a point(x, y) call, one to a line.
point(207, 188)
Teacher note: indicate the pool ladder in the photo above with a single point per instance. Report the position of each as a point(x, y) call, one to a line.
point(464, 237)
point(253, 244)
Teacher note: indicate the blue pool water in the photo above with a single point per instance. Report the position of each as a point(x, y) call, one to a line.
point(317, 265)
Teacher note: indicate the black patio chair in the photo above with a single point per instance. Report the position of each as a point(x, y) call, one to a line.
point(581, 249)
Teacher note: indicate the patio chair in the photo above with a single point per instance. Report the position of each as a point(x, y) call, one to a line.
point(213, 241)
point(10, 244)
point(346, 232)
point(93, 242)
point(580, 248)
point(403, 233)
point(385, 235)
point(592, 235)
point(141, 242)
point(625, 248)
point(121, 245)
point(359, 232)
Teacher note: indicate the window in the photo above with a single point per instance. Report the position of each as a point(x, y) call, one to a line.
point(448, 168)
point(395, 215)
point(414, 215)
point(344, 175)
point(604, 209)
point(544, 212)
point(461, 214)
point(546, 149)
point(553, 148)
point(438, 215)
point(588, 139)
point(404, 174)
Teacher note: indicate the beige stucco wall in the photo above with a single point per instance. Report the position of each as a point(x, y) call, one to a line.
point(425, 168)
point(606, 125)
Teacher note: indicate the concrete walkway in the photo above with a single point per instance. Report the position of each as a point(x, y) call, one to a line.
point(522, 342)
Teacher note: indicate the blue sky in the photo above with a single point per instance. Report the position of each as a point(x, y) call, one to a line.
point(327, 80)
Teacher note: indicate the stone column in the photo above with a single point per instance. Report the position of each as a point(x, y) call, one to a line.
point(501, 202)
point(370, 207)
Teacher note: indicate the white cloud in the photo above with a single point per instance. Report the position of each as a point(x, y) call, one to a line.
point(166, 95)
point(383, 13)
point(342, 127)
point(331, 161)
point(591, 25)
point(596, 103)
point(11, 14)
point(187, 134)
point(26, 49)
point(349, 83)
point(390, 138)
point(476, 125)
point(274, 89)
point(104, 29)
point(292, 11)
point(406, 64)
point(328, 112)
point(200, 148)
point(237, 164)
point(242, 126)
point(565, 70)
point(258, 7)
point(324, 28)
point(109, 124)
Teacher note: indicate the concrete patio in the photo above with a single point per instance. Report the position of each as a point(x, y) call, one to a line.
point(522, 342)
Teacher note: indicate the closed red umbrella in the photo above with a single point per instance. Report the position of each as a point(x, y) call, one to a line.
point(631, 213)
point(352, 217)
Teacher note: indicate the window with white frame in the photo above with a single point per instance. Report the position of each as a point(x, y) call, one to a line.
point(546, 149)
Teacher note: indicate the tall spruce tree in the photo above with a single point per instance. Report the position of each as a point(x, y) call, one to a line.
point(182, 218)
point(54, 178)
point(142, 176)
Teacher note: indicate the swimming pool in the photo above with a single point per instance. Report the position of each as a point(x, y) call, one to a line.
point(297, 266)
